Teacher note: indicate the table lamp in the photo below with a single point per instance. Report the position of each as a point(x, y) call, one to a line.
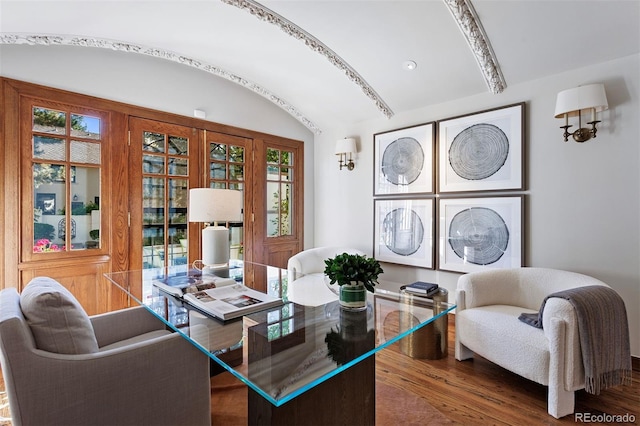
point(213, 205)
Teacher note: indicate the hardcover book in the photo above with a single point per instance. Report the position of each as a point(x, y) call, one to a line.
point(420, 287)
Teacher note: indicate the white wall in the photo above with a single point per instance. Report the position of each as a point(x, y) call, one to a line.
point(582, 200)
point(158, 84)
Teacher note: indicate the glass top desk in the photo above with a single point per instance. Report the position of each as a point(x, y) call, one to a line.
point(299, 362)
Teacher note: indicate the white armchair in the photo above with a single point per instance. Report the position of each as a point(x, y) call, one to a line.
point(306, 275)
point(119, 368)
point(488, 306)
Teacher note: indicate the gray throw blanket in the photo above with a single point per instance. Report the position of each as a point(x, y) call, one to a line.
point(603, 331)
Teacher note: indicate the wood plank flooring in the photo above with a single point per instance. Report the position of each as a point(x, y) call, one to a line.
point(477, 392)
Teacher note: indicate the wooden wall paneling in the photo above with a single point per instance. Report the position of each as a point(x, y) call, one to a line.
point(84, 279)
point(10, 186)
point(3, 111)
point(117, 192)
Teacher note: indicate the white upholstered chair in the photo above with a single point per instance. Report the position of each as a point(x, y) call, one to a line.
point(306, 275)
point(63, 367)
point(488, 306)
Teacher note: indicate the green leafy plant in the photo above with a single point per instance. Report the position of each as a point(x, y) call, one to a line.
point(43, 231)
point(94, 234)
point(346, 268)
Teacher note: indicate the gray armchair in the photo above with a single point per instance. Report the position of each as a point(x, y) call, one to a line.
point(139, 373)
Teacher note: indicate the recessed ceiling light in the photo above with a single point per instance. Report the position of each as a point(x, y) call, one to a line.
point(409, 65)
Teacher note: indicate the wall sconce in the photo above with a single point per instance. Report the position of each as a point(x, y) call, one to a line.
point(345, 148)
point(572, 102)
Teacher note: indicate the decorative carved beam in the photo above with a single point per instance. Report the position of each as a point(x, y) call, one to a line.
point(265, 14)
point(60, 40)
point(467, 19)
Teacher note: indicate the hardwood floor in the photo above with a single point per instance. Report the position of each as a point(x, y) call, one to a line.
point(477, 392)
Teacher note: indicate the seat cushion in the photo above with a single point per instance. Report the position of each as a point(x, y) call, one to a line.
point(58, 322)
point(310, 290)
point(495, 333)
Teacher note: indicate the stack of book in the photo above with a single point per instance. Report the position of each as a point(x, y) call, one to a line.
point(421, 288)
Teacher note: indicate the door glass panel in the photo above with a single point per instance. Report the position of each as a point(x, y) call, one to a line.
point(273, 156)
point(218, 170)
point(164, 200)
point(226, 170)
point(178, 145)
point(177, 230)
point(236, 172)
point(285, 209)
point(85, 152)
point(273, 201)
point(279, 175)
point(178, 167)
point(48, 148)
point(66, 194)
point(49, 201)
point(153, 200)
point(217, 151)
point(84, 126)
point(236, 154)
point(153, 164)
point(153, 142)
point(49, 121)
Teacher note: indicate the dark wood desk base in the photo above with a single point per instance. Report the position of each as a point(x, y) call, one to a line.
point(348, 398)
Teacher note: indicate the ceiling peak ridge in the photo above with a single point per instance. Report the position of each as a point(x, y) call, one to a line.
point(470, 25)
point(265, 14)
point(80, 41)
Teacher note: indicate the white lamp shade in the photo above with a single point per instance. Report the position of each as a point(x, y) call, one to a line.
point(345, 146)
point(215, 205)
point(571, 101)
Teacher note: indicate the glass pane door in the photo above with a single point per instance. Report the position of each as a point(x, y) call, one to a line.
point(165, 187)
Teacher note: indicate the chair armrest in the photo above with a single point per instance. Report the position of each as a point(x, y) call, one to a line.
point(160, 381)
point(493, 287)
point(119, 325)
point(560, 310)
point(460, 300)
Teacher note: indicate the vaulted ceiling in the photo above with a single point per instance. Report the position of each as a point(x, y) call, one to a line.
point(329, 62)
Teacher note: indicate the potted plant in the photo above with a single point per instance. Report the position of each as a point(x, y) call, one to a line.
point(354, 274)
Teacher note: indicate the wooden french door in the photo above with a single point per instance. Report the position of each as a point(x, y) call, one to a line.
point(166, 160)
point(163, 165)
point(277, 225)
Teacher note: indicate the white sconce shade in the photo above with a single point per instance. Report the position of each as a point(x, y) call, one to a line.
point(215, 205)
point(572, 101)
point(345, 146)
point(344, 149)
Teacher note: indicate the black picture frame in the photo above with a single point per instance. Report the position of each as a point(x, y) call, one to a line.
point(46, 202)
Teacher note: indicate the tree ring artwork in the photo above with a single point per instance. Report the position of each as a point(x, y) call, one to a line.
point(479, 151)
point(403, 231)
point(478, 235)
point(402, 161)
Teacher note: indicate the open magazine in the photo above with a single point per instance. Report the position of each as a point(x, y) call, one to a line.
point(222, 298)
point(191, 281)
point(231, 301)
